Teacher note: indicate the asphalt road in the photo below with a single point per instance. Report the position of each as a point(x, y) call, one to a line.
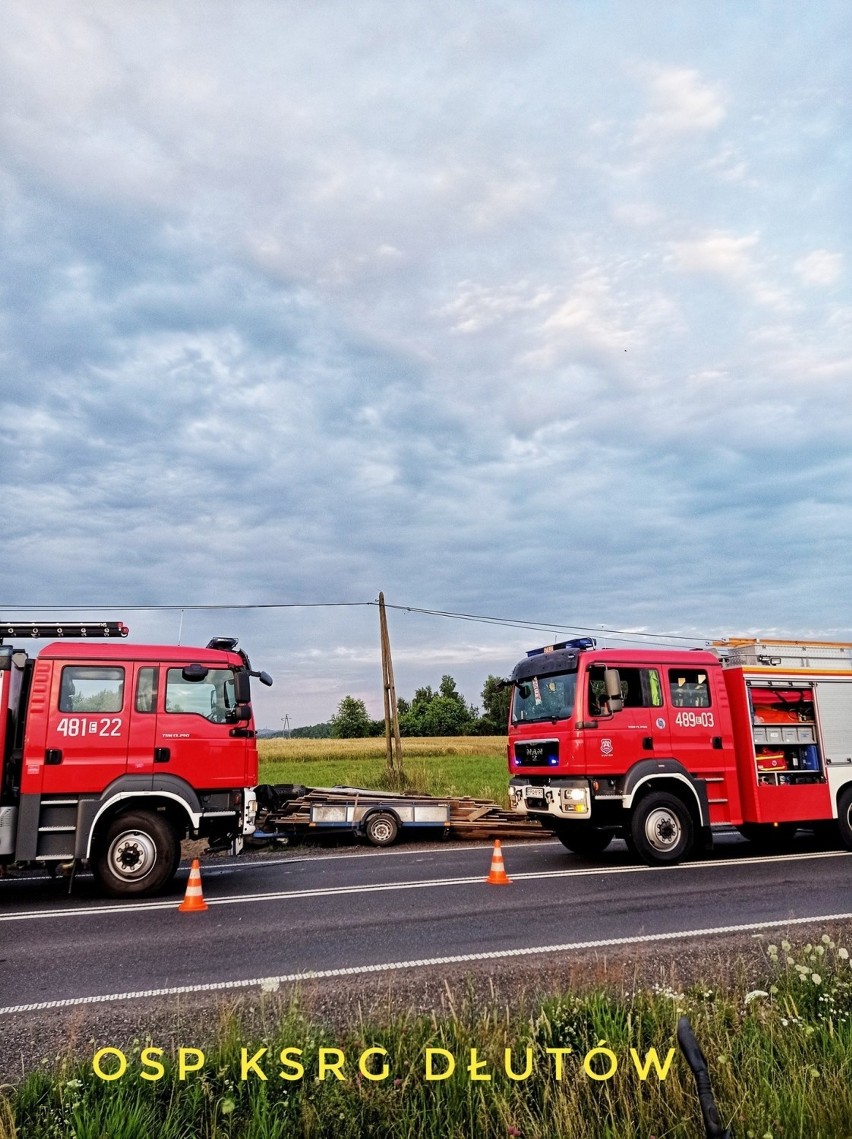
point(288, 916)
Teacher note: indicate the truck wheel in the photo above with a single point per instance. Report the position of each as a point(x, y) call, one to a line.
point(844, 817)
point(381, 829)
point(583, 839)
point(661, 829)
point(138, 855)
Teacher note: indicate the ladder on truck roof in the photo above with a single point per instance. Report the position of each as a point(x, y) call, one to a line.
point(755, 651)
point(37, 630)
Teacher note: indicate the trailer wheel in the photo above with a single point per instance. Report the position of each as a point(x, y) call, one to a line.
point(580, 838)
point(661, 829)
point(844, 817)
point(138, 855)
point(381, 829)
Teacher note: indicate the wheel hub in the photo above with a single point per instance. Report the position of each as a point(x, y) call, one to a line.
point(662, 829)
point(132, 855)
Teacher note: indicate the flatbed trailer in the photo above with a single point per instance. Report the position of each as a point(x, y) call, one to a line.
point(295, 811)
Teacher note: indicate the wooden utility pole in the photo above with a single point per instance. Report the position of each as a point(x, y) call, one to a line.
point(393, 745)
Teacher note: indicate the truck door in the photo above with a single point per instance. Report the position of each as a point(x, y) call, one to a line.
point(141, 755)
point(701, 734)
point(88, 726)
point(198, 738)
point(697, 720)
point(622, 738)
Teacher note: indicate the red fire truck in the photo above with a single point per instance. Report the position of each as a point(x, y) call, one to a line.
point(659, 746)
point(111, 754)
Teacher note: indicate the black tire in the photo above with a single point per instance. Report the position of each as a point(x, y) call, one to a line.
point(768, 838)
point(580, 838)
point(138, 854)
point(381, 829)
point(661, 829)
point(844, 817)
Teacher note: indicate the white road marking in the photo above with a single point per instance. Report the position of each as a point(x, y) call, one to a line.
point(272, 983)
point(380, 887)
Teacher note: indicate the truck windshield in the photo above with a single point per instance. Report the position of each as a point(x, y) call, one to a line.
point(544, 698)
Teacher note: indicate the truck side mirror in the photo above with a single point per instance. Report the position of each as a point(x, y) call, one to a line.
point(612, 685)
point(242, 687)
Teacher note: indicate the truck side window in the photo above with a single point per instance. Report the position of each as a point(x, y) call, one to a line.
point(640, 688)
point(213, 697)
point(86, 688)
point(146, 690)
point(689, 688)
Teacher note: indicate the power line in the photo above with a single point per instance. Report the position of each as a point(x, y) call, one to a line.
point(180, 608)
point(629, 636)
point(633, 635)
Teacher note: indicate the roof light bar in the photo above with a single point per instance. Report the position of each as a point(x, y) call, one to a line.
point(579, 643)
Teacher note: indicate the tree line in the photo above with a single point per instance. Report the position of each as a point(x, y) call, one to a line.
point(443, 711)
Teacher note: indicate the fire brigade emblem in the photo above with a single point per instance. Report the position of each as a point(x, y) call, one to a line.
point(660, 722)
point(606, 747)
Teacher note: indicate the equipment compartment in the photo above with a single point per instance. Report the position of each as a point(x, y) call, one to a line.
point(784, 731)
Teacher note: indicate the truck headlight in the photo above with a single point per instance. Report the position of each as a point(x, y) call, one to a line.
point(575, 800)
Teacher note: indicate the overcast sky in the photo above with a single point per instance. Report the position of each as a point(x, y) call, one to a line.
point(536, 309)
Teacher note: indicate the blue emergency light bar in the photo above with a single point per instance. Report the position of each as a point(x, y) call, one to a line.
point(579, 643)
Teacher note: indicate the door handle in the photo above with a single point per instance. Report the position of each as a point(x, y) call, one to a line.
point(716, 742)
point(648, 743)
point(162, 755)
point(52, 757)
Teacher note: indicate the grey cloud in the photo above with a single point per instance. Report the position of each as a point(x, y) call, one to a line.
point(302, 307)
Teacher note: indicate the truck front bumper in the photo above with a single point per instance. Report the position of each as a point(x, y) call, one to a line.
point(557, 798)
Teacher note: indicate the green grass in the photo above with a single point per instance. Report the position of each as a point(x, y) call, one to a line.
point(447, 766)
point(779, 1052)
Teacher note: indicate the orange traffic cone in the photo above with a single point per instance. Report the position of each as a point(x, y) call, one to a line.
point(193, 900)
point(497, 875)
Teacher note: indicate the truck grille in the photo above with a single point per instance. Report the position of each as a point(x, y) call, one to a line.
point(537, 753)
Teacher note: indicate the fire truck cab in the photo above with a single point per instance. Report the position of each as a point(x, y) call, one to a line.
point(659, 746)
point(113, 753)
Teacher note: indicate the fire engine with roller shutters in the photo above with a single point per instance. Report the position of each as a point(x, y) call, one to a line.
point(660, 746)
point(112, 753)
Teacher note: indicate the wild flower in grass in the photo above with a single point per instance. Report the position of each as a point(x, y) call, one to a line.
point(843, 954)
point(816, 978)
point(667, 991)
point(754, 995)
point(227, 1106)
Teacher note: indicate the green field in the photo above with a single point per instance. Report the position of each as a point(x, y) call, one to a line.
point(450, 765)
